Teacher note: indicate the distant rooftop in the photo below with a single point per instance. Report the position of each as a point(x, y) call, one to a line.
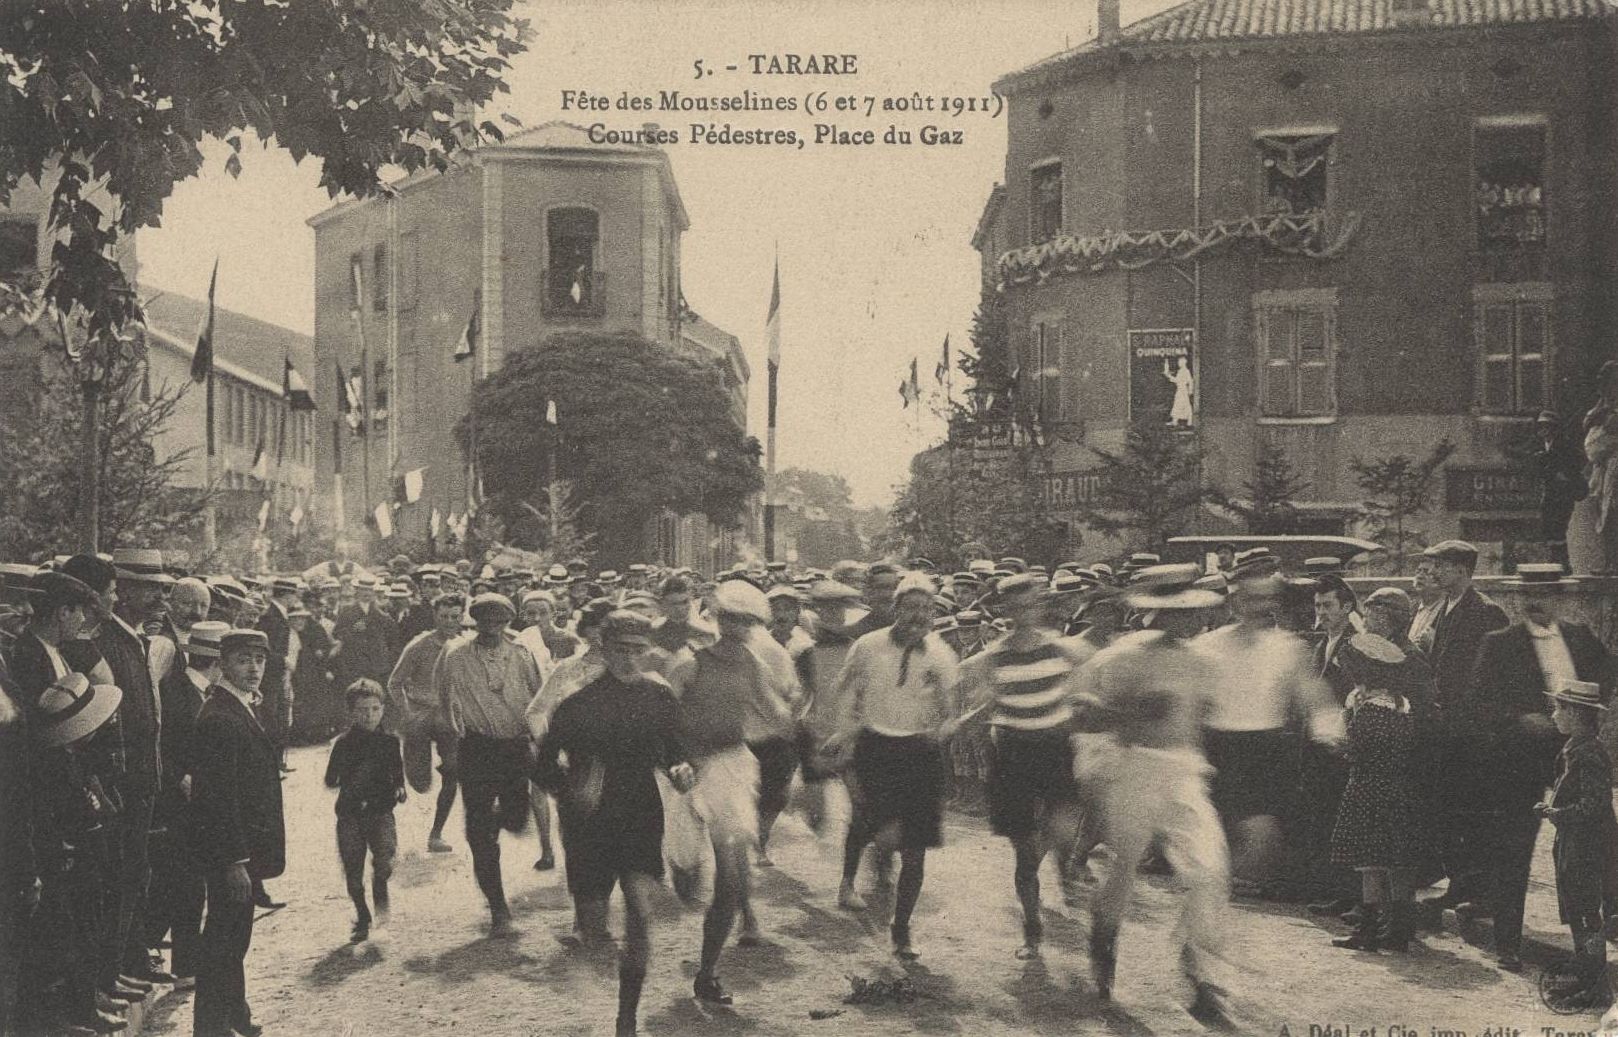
point(246, 343)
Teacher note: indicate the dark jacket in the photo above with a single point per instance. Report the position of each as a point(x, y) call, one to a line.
point(1561, 471)
point(417, 619)
point(370, 644)
point(236, 790)
point(367, 770)
point(1330, 670)
point(17, 798)
point(1510, 685)
point(182, 704)
point(278, 629)
point(31, 670)
point(139, 713)
point(1457, 639)
point(1586, 831)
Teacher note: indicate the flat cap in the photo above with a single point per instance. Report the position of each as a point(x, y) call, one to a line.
point(491, 600)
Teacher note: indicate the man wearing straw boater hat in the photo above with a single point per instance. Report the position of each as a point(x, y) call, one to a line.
point(1150, 691)
point(70, 811)
point(239, 833)
point(178, 886)
point(1517, 668)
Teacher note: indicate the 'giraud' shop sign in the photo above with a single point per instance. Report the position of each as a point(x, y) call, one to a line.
point(1490, 489)
point(1067, 490)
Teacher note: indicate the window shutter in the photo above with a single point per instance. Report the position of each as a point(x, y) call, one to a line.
point(1496, 332)
point(1272, 328)
point(1313, 363)
point(1531, 357)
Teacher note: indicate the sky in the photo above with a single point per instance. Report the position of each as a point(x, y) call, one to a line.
point(874, 241)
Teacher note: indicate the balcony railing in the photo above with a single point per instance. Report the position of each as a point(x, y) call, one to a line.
point(570, 295)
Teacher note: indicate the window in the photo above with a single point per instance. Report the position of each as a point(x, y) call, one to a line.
point(1295, 333)
point(1510, 163)
point(356, 280)
point(379, 393)
point(19, 248)
point(1512, 327)
point(1045, 201)
point(409, 259)
point(1294, 168)
point(571, 280)
point(379, 278)
point(1045, 369)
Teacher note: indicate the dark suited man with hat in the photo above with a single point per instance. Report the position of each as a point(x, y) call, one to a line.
point(238, 830)
point(367, 636)
point(1518, 668)
point(1561, 470)
point(1464, 619)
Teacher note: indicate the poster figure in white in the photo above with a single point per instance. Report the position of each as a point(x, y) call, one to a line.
point(1180, 412)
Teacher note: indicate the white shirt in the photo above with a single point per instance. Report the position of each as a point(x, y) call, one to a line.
point(873, 698)
point(1555, 661)
point(1256, 675)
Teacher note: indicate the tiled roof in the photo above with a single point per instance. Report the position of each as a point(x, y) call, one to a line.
point(256, 346)
point(561, 134)
point(1213, 21)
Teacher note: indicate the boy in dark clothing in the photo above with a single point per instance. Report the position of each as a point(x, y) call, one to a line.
point(367, 769)
point(1580, 806)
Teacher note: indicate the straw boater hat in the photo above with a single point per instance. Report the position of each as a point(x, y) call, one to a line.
point(1021, 587)
point(823, 592)
point(72, 709)
point(241, 637)
point(1579, 693)
point(787, 591)
point(205, 639)
point(142, 565)
point(980, 566)
point(1158, 587)
point(1323, 565)
point(1540, 576)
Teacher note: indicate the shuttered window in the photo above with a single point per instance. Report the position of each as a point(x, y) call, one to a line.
point(1296, 349)
point(1512, 330)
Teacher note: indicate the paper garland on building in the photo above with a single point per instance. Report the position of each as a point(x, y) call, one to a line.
point(1312, 235)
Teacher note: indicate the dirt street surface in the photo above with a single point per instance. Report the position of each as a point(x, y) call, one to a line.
point(434, 971)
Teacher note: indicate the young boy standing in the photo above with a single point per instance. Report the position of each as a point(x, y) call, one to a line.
point(1580, 806)
point(367, 770)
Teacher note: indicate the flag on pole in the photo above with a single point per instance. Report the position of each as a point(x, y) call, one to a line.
point(941, 372)
point(910, 388)
point(468, 342)
point(550, 413)
point(383, 516)
point(296, 516)
point(261, 462)
point(264, 514)
point(413, 481)
point(772, 321)
point(202, 359)
point(435, 523)
point(348, 400)
point(295, 389)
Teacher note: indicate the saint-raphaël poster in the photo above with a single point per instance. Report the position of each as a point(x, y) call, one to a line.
point(1163, 377)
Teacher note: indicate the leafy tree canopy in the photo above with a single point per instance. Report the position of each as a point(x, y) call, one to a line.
point(640, 428)
point(819, 489)
point(122, 94)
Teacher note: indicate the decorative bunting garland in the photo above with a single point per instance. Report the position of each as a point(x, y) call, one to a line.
point(1309, 235)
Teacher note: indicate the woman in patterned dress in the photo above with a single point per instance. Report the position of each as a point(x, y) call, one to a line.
point(1376, 831)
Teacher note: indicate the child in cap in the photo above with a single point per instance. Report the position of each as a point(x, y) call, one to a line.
point(1580, 806)
point(367, 770)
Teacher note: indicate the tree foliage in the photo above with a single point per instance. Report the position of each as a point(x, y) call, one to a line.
point(819, 489)
point(641, 428)
point(43, 485)
point(1399, 488)
point(994, 500)
point(1270, 509)
point(122, 95)
point(1150, 490)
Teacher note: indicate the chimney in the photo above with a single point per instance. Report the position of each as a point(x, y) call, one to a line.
point(1106, 21)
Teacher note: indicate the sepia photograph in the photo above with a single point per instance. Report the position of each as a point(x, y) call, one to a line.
point(712, 518)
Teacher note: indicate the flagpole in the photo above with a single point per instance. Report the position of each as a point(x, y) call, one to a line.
point(365, 389)
point(773, 367)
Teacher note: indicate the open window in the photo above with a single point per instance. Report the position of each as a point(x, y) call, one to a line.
point(1510, 177)
point(572, 284)
point(1295, 168)
point(1045, 201)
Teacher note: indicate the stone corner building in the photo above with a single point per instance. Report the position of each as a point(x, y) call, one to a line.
point(544, 232)
point(1361, 226)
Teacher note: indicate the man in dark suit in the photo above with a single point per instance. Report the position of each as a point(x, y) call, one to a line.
point(1561, 469)
point(1518, 668)
point(1324, 774)
point(277, 689)
point(368, 637)
point(1464, 618)
point(238, 830)
point(178, 888)
point(132, 587)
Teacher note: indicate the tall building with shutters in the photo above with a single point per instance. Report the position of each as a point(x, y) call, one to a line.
point(544, 232)
point(1346, 228)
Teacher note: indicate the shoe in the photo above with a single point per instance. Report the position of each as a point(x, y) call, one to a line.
point(1509, 961)
point(763, 860)
point(1365, 934)
point(750, 935)
point(1398, 926)
point(1353, 916)
point(360, 933)
point(1209, 1008)
point(1331, 907)
point(707, 988)
point(103, 1022)
point(249, 1029)
point(625, 1027)
point(1469, 912)
point(902, 947)
point(850, 900)
point(500, 923)
point(262, 899)
point(436, 844)
point(1028, 952)
point(547, 862)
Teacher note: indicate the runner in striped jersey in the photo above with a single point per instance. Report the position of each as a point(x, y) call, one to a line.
point(1023, 685)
